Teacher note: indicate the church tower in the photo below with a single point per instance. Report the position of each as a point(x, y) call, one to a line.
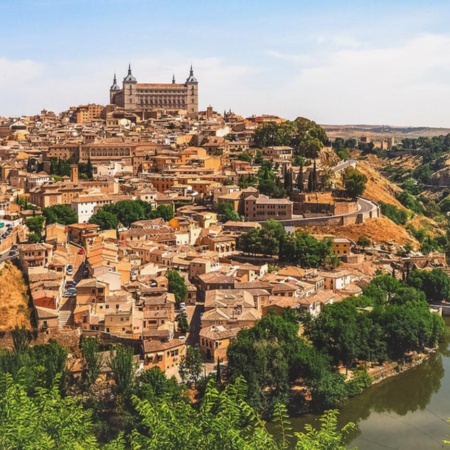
point(113, 90)
point(192, 94)
point(129, 90)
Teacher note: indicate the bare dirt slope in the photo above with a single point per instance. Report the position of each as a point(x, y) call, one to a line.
point(13, 299)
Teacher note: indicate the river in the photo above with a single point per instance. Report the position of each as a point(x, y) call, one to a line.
point(405, 412)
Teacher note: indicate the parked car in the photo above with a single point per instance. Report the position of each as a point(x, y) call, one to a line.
point(81, 251)
point(69, 269)
point(182, 305)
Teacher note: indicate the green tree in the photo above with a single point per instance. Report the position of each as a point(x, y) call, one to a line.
point(34, 238)
point(354, 182)
point(44, 420)
point(327, 437)
point(226, 212)
point(183, 324)
point(62, 214)
point(435, 284)
point(164, 211)
point(245, 156)
point(363, 241)
point(191, 365)
point(122, 367)
point(250, 242)
point(35, 224)
point(21, 340)
point(177, 286)
point(129, 211)
point(92, 361)
point(105, 220)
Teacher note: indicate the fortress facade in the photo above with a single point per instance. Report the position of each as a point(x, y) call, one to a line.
point(143, 97)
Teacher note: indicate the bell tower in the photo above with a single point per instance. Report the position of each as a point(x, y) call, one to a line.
point(129, 90)
point(192, 94)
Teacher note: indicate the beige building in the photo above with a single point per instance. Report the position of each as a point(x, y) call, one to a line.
point(214, 342)
point(143, 98)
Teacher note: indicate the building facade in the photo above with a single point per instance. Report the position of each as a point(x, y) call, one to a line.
point(145, 97)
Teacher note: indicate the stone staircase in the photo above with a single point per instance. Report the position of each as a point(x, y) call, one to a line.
point(65, 316)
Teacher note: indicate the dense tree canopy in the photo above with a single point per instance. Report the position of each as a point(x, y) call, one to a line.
point(227, 212)
point(387, 321)
point(303, 135)
point(105, 220)
point(62, 214)
point(354, 182)
point(177, 286)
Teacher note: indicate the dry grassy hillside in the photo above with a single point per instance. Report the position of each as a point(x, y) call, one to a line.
point(13, 298)
point(379, 188)
point(379, 231)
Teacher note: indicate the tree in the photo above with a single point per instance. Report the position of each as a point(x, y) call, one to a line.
point(227, 212)
point(183, 324)
point(164, 211)
point(44, 420)
point(92, 361)
point(300, 181)
point(129, 211)
point(363, 241)
point(191, 365)
point(354, 182)
point(21, 340)
point(153, 384)
point(105, 220)
point(327, 437)
point(435, 284)
point(122, 367)
point(35, 224)
point(34, 238)
point(62, 214)
point(245, 156)
point(177, 286)
point(250, 242)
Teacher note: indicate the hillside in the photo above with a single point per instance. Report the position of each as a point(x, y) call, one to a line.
point(379, 231)
point(13, 299)
point(379, 188)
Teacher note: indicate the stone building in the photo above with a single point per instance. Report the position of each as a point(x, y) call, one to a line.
point(146, 97)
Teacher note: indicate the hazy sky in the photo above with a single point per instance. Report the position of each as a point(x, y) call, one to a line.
point(355, 61)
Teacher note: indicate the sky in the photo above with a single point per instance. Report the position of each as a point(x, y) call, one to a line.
point(335, 62)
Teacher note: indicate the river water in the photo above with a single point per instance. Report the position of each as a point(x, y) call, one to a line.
point(407, 412)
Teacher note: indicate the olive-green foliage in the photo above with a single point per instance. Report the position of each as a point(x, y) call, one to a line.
point(129, 211)
point(226, 212)
point(267, 240)
point(305, 136)
point(122, 368)
point(62, 214)
point(302, 249)
point(35, 224)
point(44, 420)
point(177, 286)
point(354, 182)
point(397, 215)
point(272, 355)
point(327, 437)
point(105, 220)
point(387, 321)
point(409, 201)
point(435, 284)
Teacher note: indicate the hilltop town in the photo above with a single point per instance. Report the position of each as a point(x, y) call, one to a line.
point(159, 227)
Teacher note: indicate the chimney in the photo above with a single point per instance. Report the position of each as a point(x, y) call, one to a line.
point(74, 173)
